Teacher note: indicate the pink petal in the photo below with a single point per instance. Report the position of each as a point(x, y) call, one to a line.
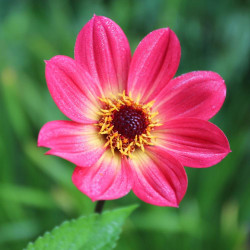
point(72, 141)
point(72, 89)
point(154, 63)
point(103, 49)
point(198, 94)
point(195, 143)
point(109, 178)
point(159, 178)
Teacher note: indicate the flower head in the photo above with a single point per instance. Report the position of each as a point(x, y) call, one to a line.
point(133, 126)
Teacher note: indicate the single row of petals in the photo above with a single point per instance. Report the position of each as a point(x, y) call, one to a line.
point(102, 67)
point(198, 94)
point(156, 176)
point(194, 142)
point(160, 177)
point(102, 50)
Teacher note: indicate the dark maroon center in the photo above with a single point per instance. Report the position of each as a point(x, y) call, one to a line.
point(129, 122)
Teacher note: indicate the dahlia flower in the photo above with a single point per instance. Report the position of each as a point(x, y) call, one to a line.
point(133, 125)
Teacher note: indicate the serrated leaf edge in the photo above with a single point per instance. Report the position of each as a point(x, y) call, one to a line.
point(47, 233)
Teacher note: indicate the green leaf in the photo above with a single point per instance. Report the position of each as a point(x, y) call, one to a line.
point(87, 232)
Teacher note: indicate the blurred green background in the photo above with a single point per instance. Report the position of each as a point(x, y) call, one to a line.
point(36, 192)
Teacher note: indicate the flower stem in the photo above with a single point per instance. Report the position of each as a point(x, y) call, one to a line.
point(99, 206)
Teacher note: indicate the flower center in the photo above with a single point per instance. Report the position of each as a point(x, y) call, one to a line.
point(129, 122)
point(126, 124)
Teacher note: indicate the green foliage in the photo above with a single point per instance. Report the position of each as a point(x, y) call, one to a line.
point(87, 232)
point(36, 192)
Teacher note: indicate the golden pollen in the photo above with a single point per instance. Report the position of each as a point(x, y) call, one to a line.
point(126, 124)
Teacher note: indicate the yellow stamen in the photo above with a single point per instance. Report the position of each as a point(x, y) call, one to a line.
point(153, 115)
point(116, 141)
point(149, 104)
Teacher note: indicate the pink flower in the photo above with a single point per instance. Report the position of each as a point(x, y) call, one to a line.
point(133, 126)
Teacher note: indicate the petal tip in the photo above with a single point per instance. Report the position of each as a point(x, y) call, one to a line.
point(93, 199)
point(48, 152)
point(94, 17)
point(228, 149)
point(168, 29)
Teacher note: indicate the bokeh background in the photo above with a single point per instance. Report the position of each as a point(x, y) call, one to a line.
point(36, 192)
